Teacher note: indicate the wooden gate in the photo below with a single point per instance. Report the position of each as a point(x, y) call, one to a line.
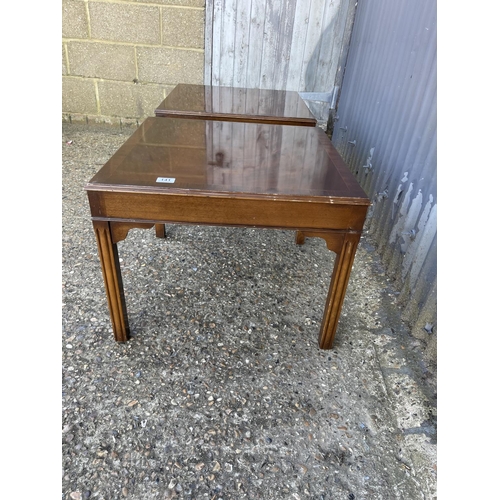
point(298, 45)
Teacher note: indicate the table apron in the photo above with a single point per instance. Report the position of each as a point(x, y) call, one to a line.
point(271, 213)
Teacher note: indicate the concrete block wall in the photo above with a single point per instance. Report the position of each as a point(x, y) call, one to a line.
point(121, 58)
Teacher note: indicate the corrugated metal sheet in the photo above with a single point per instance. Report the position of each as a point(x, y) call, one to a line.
point(277, 44)
point(385, 128)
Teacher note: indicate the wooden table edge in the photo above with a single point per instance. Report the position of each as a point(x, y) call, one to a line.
point(232, 117)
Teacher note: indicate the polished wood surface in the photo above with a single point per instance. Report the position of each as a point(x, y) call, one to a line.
point(236, 104)
point(230, 159)
point(231, 174)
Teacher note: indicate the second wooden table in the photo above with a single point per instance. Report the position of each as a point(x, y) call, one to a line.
point(236, 104)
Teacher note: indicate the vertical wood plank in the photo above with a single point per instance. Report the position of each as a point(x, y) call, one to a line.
point(209, 39)
point(298, 35)
point(328, 47)
point(228, 30)
point(309, 64)
point(256, 43)
point(216, 42)
point(242, 44)
point(269, 51)
point(284, 44)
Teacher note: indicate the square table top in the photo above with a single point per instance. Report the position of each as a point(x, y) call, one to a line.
point(236, 104)
point(204, 157)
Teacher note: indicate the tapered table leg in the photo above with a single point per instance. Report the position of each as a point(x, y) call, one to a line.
point(108, 253)
point(338, 287)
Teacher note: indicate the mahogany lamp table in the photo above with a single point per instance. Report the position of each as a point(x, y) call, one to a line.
point(234, 174)
point(236, 104)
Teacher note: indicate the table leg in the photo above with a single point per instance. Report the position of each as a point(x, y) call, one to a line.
point(160, 230)
point(299, 238)
point(110, 265)
point(338, 286)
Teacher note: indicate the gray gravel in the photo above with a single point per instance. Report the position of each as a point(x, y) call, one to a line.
point(222, 392)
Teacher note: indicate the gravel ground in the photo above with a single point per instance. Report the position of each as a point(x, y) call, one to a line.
point(222, 392)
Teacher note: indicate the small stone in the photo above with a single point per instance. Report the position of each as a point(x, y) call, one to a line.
point(199, 466)
point(216, 467)
point(303, 468)
point(124, 491)
point(75, 495)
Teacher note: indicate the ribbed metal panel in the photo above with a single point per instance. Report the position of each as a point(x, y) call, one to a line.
point(385, 129)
